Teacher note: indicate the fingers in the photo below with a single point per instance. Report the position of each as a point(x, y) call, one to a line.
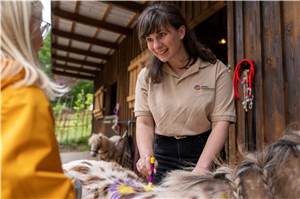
point(141, 166)
point(144, 167)
point(147, 164)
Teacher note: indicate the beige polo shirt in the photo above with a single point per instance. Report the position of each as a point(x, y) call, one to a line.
point(189, 104)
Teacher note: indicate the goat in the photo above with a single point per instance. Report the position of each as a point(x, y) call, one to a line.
point(273, 173)
point(109, 149)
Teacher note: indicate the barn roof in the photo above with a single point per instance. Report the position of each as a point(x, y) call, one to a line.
point(85, 34)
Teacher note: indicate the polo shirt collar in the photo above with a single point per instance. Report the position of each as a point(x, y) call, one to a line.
point(199, 64)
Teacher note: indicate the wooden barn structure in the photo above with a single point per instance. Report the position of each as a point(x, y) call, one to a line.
point(98, 41)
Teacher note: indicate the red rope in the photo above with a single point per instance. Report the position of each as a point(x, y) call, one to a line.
point(236, 76)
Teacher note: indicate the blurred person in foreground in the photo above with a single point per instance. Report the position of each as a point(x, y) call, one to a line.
point(30, 162)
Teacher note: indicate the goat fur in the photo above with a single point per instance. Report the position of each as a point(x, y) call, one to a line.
point(273, 173)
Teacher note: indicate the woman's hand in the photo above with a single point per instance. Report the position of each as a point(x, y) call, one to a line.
point(143, 165)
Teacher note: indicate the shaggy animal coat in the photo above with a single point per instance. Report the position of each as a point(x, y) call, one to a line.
point(273, 173)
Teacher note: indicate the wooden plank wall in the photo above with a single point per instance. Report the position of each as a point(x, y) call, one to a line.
point(115, 70)
point(269, 34)
point(196, 12)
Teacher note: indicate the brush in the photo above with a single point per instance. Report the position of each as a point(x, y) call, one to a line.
point(129, 187)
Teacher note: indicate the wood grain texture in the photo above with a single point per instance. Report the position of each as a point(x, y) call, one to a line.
point(274, 108)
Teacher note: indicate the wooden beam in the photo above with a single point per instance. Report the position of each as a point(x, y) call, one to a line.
point(73, 68)
point(91, 21)
point(128, 5)
point(78, 61)
point(79, 51)
point(73, 75)
point(84, 38)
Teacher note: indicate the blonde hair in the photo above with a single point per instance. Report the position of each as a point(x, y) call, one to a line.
point(16, 44)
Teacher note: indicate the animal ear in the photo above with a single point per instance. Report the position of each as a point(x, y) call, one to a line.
point(124, 134)
point(100, 139)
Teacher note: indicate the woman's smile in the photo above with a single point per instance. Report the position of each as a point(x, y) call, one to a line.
point(162, 52)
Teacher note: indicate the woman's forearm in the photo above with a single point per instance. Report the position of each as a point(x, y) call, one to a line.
point(145, 135)
point(213, 145)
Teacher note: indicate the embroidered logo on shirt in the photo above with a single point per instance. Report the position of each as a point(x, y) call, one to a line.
point(198, 87)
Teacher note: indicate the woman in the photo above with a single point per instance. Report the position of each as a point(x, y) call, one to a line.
point(184, 97)
point(31, 166)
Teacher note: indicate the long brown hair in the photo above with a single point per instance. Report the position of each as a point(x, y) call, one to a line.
point(162, 15)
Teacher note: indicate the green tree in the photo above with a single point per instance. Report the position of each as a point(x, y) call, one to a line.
point(76, 91)
point(45, 56)
point(85, 85)
point(79, 102)
point(89, 100)
point(83, 101)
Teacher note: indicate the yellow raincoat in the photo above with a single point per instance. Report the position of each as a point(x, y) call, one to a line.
point(30, 162)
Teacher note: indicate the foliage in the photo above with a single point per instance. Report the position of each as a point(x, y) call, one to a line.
point(79, 102)
point(83, 101)
point(76, 91)
point(45, 56)
point(89, 100)
point(58, 108)
point(85, 85)
point(82, 93)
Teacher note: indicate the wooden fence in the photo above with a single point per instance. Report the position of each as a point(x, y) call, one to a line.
point(73, 126)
